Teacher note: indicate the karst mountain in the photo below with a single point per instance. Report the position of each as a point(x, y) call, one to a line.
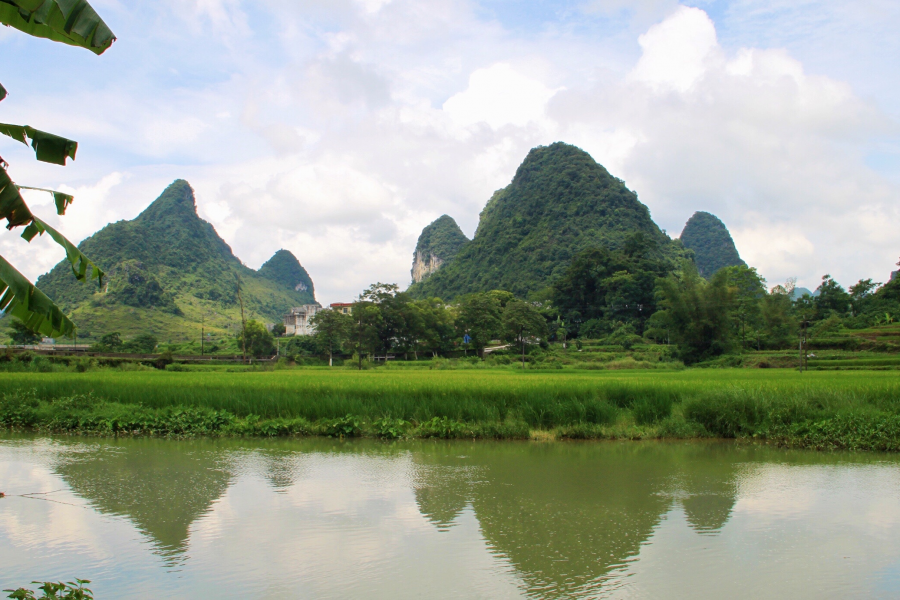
point(169, 272)
point(559, 203)
point(711, 243)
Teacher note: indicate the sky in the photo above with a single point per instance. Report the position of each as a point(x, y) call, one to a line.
point(338, 129)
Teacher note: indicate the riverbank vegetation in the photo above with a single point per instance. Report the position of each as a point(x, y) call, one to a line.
point(847, 410)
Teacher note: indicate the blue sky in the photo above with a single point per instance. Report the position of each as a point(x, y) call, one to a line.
point(339, 129)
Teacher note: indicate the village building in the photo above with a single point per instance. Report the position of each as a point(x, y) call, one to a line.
point(297, 322)
point(343, 307)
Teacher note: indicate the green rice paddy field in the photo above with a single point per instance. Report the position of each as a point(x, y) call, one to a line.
point(842, 409)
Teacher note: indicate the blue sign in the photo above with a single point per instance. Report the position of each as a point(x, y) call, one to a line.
point(467, 339)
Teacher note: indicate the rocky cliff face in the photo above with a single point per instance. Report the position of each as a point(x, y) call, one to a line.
point(424, 264)
point(439, 243)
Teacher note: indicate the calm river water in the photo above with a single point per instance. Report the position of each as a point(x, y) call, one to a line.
point(316, 518)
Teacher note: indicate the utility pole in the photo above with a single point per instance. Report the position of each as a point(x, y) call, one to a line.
point(803, 325)
point(243, 321)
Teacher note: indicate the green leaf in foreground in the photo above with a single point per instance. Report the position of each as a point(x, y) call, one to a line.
point(80, 263)
point(61, 199)
point(72, 22)
point(30, 305)
point(48, 147)
point(12, 206)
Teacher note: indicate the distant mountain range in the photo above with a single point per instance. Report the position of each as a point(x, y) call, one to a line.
point(559, 203)
point(168, 271)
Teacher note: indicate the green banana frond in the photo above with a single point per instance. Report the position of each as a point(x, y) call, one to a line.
point(17, 213)
point(12, 206)
point(82, 267)
point(72, 22)
point(61, 200)
point(2, 92)
point(30, 305)
point(48, 148)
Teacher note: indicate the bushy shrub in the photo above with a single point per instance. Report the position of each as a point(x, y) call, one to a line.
point(85, 364)
point(18, 410)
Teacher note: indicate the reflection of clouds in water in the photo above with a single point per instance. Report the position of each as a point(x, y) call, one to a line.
point(772, 492)
point(349, 527)
point(798, 531)
point(321, 518)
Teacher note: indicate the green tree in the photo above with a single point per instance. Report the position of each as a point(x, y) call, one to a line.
point(258, 341)
point(389, 301)
point(523, 322)
point(438, 325)
point(144, 343)
point(332, 328)
point(832, 298)
point(779, 323)
point(21, 335)
point(479, 318)
point(861, 294)
point(278, 329)
point(603, 287)
point(698, 313)
point(365, 328)
point(412, 326)
point(111, 341)
point(76, 24)
point(749, 291)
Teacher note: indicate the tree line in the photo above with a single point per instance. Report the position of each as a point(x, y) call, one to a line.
point(620, 297)
point(623, 297)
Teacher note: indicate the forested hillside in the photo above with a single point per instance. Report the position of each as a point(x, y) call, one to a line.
point(559, 203)
point(168, 271)
point(284, 268)
point(439, 243)
point(711, 242)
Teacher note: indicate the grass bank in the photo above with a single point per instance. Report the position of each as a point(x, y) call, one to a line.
point(848, 410)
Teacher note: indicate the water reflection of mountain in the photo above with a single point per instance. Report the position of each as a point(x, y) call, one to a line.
point(566, 515)
point(443, 483)
point(162, 486)
point(707, 477)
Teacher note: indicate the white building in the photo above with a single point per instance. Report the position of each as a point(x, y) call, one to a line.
point(297, 321)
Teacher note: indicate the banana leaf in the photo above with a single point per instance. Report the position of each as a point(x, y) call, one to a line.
point(2, 92)
point(61, 200)
point(72, 22)
point(48, 148)
point(80, 263)
point(30, 305)
point(12, 206)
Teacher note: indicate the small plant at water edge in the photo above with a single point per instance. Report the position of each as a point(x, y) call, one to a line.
point(389, 429)
point(73, 590)
point(348, 426)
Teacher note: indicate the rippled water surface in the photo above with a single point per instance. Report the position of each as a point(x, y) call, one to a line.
point(360, 519)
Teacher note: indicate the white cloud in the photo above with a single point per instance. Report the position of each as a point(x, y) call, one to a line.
point(338, 130)
point(676, 51)
point(499, 95)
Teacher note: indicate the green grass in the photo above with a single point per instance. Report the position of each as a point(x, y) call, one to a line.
point(814, 409)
